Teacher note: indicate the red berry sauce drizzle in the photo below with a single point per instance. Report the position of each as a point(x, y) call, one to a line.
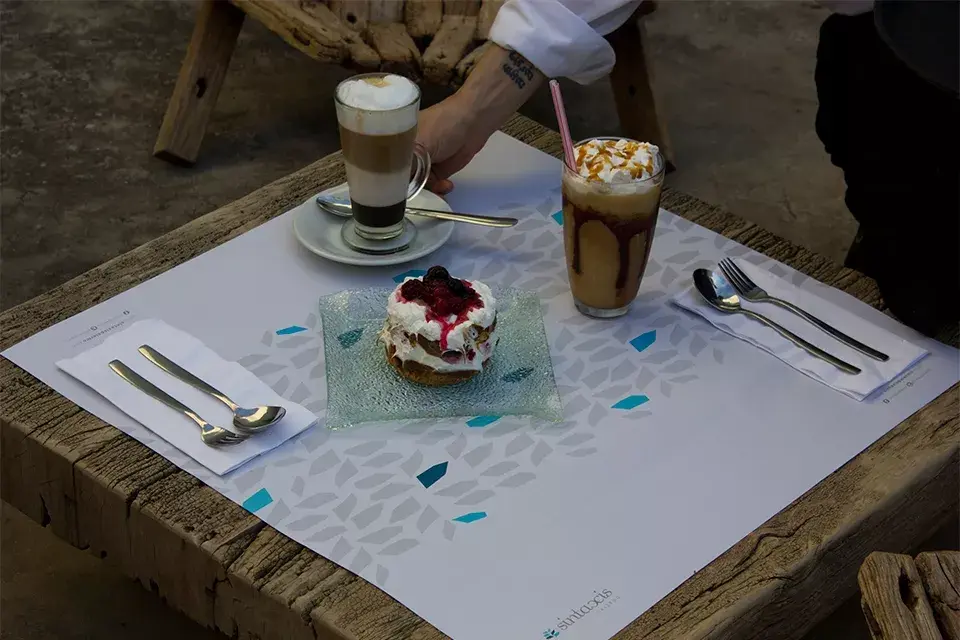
point(443, 297)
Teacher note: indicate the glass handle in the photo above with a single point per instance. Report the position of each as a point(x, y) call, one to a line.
point(421, 160)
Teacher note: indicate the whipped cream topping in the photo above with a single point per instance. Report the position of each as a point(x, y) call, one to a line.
point(409, 318)
point(617, 161)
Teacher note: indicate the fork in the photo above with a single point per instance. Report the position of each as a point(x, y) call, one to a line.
point(211, 435)
point(749, 290)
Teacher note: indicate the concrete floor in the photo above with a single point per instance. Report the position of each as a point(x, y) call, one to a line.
point(84, 87)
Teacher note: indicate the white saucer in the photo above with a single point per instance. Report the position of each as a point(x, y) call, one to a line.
point(319, 232)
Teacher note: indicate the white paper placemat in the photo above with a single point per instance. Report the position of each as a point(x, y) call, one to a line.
point(426, 509)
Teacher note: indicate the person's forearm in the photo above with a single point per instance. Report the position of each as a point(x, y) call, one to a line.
point(500, 83)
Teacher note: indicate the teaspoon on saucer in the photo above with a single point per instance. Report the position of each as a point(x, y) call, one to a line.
point(345, 211)
point(252, 420)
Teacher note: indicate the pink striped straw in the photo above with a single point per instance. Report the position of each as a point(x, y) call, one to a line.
point(562, 122)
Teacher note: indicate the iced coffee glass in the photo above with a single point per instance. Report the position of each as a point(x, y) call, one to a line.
point(610, 207)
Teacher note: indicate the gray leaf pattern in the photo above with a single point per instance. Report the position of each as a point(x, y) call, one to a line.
point(345, 508)
point(456, 447)
point(427, 518)
point(390, 491)
point(382, 575)
point(297, 487)
point(411, 466)
point(697, 345)
point(448, 530)
point(540, 452)
point(249, 479)
point(281, 385)
point(324, 463)
point(404, 510)
point(300, 394)
point(328, 533)
point(575, 439)
point(580, 453)
point(346, 471)
point(381, 460)
point(500, 468)
point(340, 550)
point(383, 535)
point(366, 448)
point(315, 439)
point(279, 512)
point(398, 547)
point(368, 516)
point(517, 479)
point(476, 497)
point(360, 561)
point(457, 489)
point(518, 444)
point(302, 524)
point(317, 500)
point(373, 480)
point(478, 455)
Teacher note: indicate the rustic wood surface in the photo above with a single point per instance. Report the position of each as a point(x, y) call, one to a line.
point(422, 17)
point(486, 16)
point(202, 73)
point(893, 600)
point(398, 52)
point(314, 29)
point(103, 491)
point(940, 572)
point(448, 47)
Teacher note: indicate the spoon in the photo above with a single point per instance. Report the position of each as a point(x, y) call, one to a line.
point(252, 420)
point(721, 295)
point(345, 211)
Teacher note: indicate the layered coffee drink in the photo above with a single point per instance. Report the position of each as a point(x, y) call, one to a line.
point(377, 114)
point(610, 206)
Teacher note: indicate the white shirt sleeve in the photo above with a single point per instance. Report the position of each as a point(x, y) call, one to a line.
point(563, 38)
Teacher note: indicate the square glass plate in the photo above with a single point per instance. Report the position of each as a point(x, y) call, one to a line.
point(363, 387)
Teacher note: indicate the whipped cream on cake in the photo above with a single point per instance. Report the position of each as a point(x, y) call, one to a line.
point(617, 161)
point(440, 325)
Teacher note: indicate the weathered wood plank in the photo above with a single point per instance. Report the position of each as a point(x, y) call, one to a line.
point(99, 489)
point(397, 50)
point(486, 16)
point(893, 600)
point(940, 572)
point(423, 17)
point(314, 29)
point(354, 14)
point(201, 76)
point(448, 47)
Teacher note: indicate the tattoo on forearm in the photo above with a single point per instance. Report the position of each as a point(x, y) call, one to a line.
point(518, 69)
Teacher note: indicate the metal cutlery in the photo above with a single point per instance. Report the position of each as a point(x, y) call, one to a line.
point(210, 434)
point(720, 294)
point(750, 291)
point(345, 211)
point(252, 420)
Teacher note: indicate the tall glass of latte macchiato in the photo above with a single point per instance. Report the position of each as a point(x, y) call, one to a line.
point(610, 206)
point(377, 114)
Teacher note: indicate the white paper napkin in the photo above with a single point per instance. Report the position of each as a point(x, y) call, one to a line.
point(874, 374)
point(244, 388)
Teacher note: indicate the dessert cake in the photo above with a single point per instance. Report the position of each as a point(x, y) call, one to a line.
point(439, 329)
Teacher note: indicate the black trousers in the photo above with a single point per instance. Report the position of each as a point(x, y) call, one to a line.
point(897, 139)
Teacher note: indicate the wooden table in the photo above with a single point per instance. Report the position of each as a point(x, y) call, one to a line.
point(101, 490)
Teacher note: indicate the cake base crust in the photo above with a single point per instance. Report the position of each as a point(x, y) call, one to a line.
point(422, 374)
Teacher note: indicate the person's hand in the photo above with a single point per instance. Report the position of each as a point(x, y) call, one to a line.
point(449, 132)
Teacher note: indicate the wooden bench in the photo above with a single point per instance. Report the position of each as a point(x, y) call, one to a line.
point(438, 41)
point(907, 599)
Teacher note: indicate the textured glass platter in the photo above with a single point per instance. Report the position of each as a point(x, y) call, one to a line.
point(363, 387)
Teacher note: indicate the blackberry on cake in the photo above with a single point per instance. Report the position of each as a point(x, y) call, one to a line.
point(440, 329)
